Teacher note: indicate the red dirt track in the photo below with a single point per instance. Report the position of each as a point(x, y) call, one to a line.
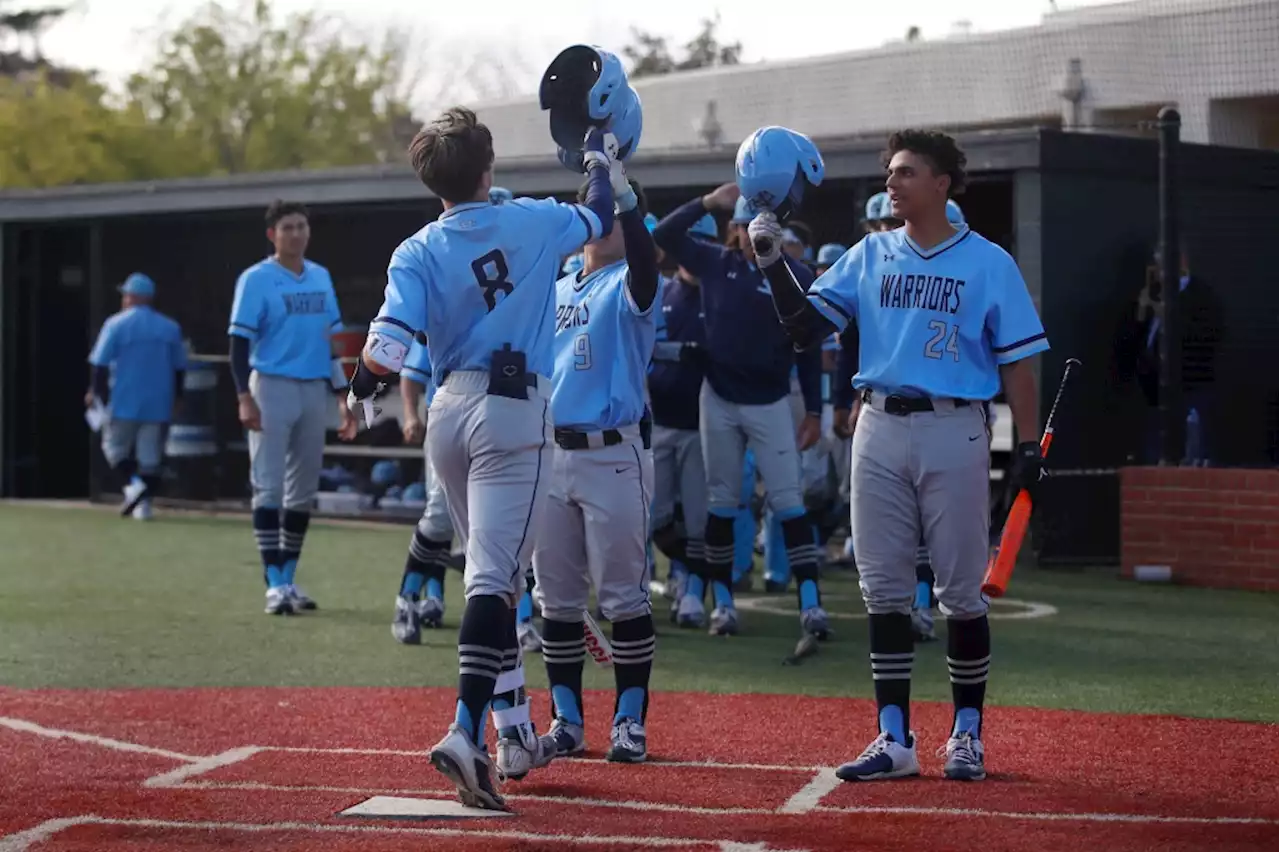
point(727, 774)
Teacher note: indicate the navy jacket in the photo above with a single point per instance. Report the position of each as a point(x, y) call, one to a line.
point(846, 368)
point(674, 384)
point(749, 356)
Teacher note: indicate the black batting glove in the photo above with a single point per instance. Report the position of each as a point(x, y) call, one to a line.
point(1028, 467)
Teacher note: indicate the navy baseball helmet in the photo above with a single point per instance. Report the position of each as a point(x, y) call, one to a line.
point(586, 87)
point(773, 168)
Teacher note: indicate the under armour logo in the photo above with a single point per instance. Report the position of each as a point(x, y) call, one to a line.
point(888, 257)
point(509, 371)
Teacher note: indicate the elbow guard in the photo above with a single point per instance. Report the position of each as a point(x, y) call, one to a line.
point(386, 352)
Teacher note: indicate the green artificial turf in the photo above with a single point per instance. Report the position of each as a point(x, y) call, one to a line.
point(88, 599)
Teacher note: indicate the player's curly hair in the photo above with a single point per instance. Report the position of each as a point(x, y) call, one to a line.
point(278, 209)
point(938, 148)
point(642, 201)
point(451, 155)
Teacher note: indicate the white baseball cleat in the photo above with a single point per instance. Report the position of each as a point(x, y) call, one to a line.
point(133, 493)
point(468, 767)
point(518, 756)
point(142, 511)
point(884, 758)
point(964, 754)
point(278, 601)
point(690, 612)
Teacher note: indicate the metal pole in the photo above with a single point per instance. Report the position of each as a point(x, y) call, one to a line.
point(1172, 423)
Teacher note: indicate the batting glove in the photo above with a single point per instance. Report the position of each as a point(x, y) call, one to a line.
point(624, 197)
point(1028, 467)
point(594, 152)
point(766, 238)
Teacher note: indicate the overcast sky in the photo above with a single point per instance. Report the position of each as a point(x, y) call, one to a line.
point(112, 35)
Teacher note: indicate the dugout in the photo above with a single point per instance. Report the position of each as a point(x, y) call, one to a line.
point(1078, 212)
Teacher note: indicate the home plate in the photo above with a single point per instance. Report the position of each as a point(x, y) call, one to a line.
point(395, 807)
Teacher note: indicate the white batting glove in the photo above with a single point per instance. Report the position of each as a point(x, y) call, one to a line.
point(595, 149)
point(624, 197)
point(766, 238)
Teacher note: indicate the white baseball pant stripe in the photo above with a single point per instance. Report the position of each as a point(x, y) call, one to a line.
point(925, 472)
point(728, 428)
point(594, 532)
point(679, 476)
point(286, 454)
point(492, 455)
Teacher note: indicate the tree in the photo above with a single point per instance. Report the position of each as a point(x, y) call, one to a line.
point(650, 55)
point(20, 31)
point(250, 94)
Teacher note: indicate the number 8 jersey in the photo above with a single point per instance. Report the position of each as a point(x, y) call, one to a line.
point(481, 276)
point(934, 323)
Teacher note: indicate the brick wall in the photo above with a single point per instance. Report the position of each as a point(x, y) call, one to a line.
point(1214, 527)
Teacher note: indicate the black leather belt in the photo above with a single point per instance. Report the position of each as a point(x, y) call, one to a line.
point(568, 439)
point(901, 406)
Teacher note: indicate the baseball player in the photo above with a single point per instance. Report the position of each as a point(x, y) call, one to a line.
point(137, 367)
point(744, 402)
point(286, 369)
point(675, 381)
point(420, 601)
point(596, 525)
point(945, 320)
point(479, 282)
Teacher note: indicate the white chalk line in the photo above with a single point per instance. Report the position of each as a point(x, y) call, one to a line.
point(575, 801)
point(810, 796)
point(176, 777)
point(47, 829)
point(91, 739)
point(1047, 817)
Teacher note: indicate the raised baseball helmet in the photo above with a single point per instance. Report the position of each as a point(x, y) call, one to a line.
point(773, 167)
point(586, 87)
point(499, 195)
point(954, 215)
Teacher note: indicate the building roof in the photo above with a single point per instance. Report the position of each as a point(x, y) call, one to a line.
point(529, 175)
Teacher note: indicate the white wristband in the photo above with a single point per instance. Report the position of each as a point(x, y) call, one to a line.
point(386, 351)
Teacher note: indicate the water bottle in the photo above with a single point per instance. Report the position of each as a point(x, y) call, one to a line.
point(1192, 450)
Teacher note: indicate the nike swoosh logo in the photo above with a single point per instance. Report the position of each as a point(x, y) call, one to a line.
point(619, 470)
point(975, 437)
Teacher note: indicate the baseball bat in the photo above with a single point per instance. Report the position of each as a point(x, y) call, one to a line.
point(597, 643)
point(1000, 564)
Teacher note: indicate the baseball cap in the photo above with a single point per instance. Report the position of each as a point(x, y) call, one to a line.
point(830, 253)
point(572, 264)
point(138, 284)
point(878, 207)
point(789, 236)
point(741, 212)
point(954, 215)
point(705, 228)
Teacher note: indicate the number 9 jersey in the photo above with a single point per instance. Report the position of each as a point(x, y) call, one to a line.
point(935, 323)
point(481, 276)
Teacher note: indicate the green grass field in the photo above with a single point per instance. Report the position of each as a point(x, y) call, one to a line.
point(91, 600)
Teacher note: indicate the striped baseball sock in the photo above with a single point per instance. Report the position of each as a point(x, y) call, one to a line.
point(292, 533)
point(564, 651)
point(892, 657)
point(266, 531)
point(634, 643)
point(968, 659)
point(482, 644)
point(802, 553)
point(424, 567)
point(718, 549)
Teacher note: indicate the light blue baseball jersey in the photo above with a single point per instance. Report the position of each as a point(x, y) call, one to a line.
point(482, 276)
point(287, 318)
point(933, 323)
point(417, 366)
point(603, 344)
point(143, 348)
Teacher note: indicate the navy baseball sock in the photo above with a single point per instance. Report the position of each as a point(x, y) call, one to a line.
point(719, 559)
point(266, 530)
point(125, 471)
point(802, 553)
point(968, 658)
point(695, 566)
point(670, 543)
point(152, 481)
point(424, 567)
point(633, 647)
point(892, 657)
point(564, 651)
point(294, 531)
point(482, 641)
